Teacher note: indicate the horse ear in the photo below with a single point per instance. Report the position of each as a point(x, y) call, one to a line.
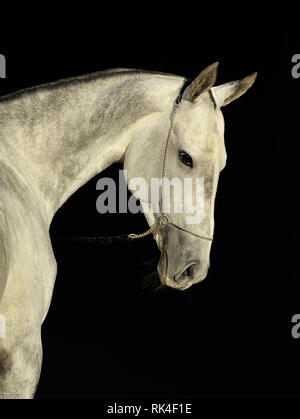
point(203, 82)
point(226, 93)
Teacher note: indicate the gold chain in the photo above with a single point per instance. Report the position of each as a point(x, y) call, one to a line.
point(163, 219)
point(168, 141)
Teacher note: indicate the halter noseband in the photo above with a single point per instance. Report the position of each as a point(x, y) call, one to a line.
point(164, 219)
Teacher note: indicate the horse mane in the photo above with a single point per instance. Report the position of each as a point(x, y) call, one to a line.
point(80, 80)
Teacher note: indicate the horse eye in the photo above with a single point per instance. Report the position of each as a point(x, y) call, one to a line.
point(185, 158)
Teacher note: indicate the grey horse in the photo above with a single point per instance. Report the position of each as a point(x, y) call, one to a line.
point(53, 139)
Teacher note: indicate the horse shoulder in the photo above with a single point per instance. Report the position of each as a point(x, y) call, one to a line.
point(27, 263)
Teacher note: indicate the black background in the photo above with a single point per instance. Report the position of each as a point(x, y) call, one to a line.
point(107, 335)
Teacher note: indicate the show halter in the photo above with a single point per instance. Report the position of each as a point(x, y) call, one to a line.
point(163, 218)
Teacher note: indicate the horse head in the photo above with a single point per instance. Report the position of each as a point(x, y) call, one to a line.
point(185, 147)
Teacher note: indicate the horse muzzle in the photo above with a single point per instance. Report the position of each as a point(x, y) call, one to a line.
point(182, 278)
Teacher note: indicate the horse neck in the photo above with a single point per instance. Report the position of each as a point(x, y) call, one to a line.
point(67, 133)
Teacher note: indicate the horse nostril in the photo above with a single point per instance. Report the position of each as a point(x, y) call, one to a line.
point(187, 273)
